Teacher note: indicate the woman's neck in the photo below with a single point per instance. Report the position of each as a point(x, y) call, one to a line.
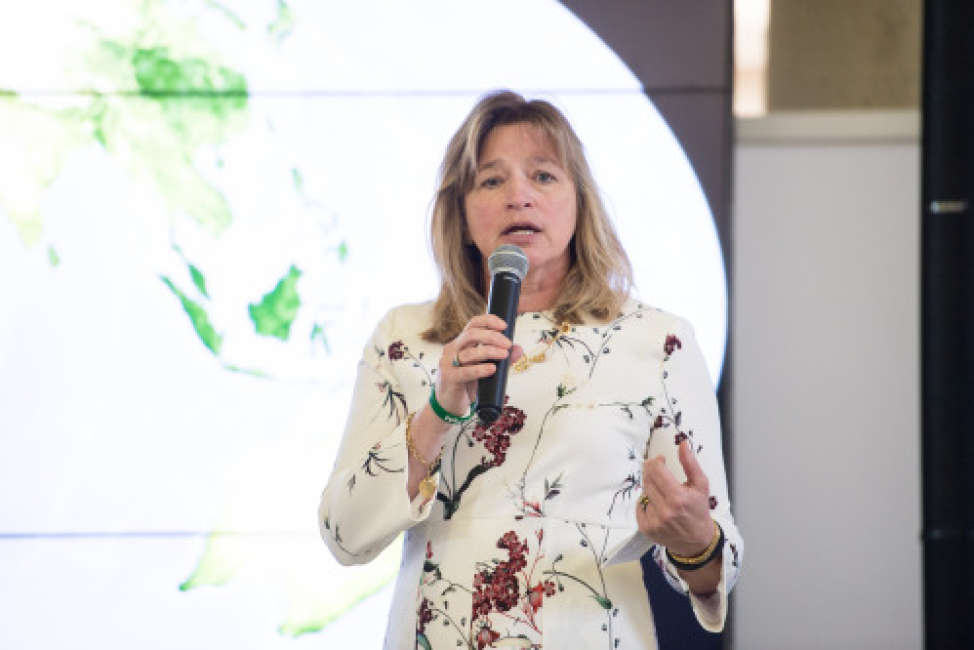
point(541, 288)
point(538, 297)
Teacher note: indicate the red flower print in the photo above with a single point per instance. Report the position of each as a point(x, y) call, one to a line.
point(502, 586)
point(497, 437)
point(536, 596)
point(672, 343)
point(486, 637)
point(513, 418)
point(423, 616)
point(429, 550)
point(537, 593)
point(713, 502)
point(396, 351)
point(678, 438)
point(497, 589)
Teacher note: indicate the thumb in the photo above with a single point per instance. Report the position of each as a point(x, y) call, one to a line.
point(516, 352)
point(691, 467)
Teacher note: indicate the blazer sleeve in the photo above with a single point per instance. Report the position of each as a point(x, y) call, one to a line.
point(688, 409)
point(364, 505)
point(691, 405)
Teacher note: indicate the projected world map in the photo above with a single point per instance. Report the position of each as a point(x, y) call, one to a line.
point(204, 209)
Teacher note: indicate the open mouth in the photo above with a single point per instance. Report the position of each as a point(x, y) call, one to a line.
point(522, 228)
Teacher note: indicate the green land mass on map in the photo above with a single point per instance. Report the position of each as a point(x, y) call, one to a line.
point(179, 105)
point(158, 75)
point(276, 311)
point(199, 318)
point(311, 608)
point(198, 279)
point(283, 24)
point(318, 334)
point(155, 102)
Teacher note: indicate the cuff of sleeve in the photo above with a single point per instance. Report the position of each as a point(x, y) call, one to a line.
point(371, 507)
point(628, 549)
point(420, 507)
point(710, 610)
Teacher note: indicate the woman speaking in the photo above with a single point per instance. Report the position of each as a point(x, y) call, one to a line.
point(526, 532)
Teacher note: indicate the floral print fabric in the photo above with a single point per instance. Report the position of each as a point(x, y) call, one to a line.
point(531, 541)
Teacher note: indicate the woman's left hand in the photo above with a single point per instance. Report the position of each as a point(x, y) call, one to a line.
point(677, 514)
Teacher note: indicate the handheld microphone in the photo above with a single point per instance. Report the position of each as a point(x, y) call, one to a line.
point(507, 266)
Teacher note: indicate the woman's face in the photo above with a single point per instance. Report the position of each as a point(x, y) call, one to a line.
point(523, 196)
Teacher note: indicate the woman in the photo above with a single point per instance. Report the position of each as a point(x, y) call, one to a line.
point(528, 532)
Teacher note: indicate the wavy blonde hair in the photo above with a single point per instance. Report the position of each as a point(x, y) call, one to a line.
point(599, 276)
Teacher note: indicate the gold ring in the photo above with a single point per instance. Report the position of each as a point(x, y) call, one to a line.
point(644, 502)
point(456, 360)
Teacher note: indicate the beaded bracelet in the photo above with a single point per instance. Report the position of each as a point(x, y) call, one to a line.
point(445, 415)
point(692, 563)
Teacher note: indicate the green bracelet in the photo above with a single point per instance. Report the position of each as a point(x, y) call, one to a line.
point(445, 415)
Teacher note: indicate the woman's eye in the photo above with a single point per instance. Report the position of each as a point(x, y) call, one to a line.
point(491, 181)
point(544, 177)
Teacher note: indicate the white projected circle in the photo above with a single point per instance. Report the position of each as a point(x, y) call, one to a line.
point(159, 375)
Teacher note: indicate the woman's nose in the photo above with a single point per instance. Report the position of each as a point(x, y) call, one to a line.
point(519, 195)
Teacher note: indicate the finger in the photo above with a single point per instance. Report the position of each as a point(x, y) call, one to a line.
point(657, 474)
point(655, 498)
point(490, 321)
point(466, 374)
point(450, 358)
point(648, 516)
point(475, 335)
point(470, 356)
point(658, 501)
point(646, 519)
point(462, 381)
point(691, 467)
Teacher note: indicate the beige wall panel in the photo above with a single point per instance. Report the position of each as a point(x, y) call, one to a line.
point(844, 54)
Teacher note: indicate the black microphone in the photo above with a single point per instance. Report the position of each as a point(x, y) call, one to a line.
point(507, 266)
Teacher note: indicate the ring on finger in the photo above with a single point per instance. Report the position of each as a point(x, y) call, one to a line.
point(456, 360)
point(644, 502)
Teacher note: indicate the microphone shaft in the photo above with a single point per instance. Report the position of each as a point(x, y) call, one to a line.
point(505, 293)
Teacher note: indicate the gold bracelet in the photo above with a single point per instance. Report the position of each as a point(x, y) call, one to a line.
point(427, 486)
point(696, 561)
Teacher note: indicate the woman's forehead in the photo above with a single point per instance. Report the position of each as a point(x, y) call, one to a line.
point(524, 136)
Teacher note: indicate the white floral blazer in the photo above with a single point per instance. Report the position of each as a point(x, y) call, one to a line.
point(531, 540)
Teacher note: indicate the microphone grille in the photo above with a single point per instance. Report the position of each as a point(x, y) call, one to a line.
point(508, 257)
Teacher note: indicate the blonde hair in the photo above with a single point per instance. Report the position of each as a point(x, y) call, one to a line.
point(600, 275)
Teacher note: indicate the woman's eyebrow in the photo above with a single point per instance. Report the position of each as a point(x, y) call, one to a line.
point(537, 160)
point(487, 165)
point(545, 159)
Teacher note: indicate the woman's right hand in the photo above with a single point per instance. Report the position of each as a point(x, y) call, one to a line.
point(481, 342)
point(476, 348)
